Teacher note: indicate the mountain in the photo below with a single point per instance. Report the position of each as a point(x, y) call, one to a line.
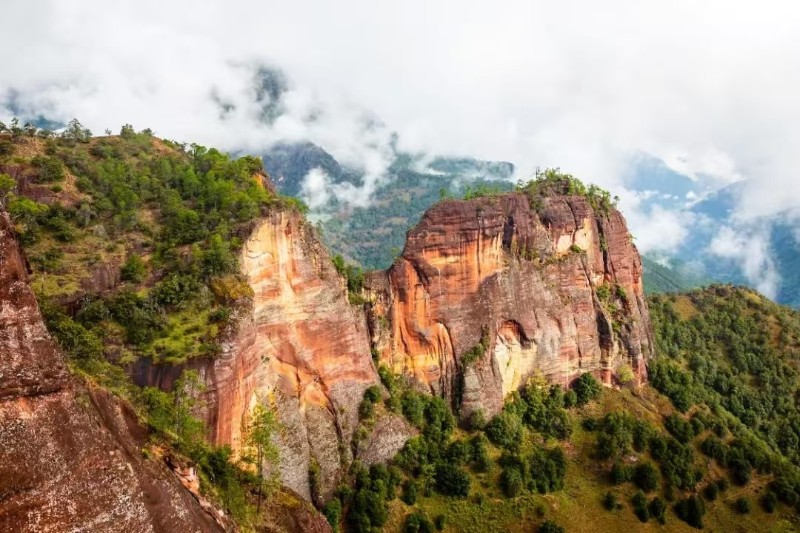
point(372, 235)
point(180, 351)
point(661, 278)
point(762, 252)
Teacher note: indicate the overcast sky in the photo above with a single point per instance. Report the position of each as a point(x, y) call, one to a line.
point(710, 87)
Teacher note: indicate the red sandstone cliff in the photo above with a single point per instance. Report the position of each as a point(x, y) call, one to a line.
point(70, 457)
point(525, 279)
point(301, 349)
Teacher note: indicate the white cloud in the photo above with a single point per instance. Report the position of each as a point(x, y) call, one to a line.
point(656, 229)
point(710, 87)
point(750, 249)
point(315, 188)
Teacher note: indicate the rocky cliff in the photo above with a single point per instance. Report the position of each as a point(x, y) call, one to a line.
point(490, 292)
point(300, 348)
point(70, 456)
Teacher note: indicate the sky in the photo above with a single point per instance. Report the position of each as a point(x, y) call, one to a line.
point(711, 87)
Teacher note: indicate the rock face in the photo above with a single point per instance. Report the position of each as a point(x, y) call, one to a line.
point(301, 349)
point(70, 457)
point(555, 291)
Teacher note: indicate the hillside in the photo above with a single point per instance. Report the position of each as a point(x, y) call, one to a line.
point(660, 278)
point(683, 450)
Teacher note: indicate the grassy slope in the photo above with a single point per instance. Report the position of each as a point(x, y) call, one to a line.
point(578, 506)
point(659, 278)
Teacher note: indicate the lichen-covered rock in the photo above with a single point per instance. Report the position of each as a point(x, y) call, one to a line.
point(287, 512)
point(70, 457)
point(527, 283)
point(387, 437)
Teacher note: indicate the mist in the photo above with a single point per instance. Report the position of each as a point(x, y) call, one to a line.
point(709, 88)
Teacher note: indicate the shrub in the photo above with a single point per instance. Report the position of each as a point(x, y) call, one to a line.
point(769, 501)
point(625, 374)
point(646, 477)
point(333, 512)
point(679, 428)
point(50, 169)
point(610, 501)
point(410, 491)
point(413, 406)
point(691, 511)
point(452, 481)
point(440, 522)
point(639, 502)
point(657, 509)
point(711, 491)
point(713, 447)
point(548, 526)
point(372, 394)
point(742, 506)
point(477, 420)
point(480, 455)
point(418, 523)
point(134, 269)
point(459, 452)
point(511, 482)
point(570, 399)
point(586, 388)
point(505, 430)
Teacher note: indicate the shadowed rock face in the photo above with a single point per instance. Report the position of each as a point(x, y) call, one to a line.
point(301, 349)
point(70, 457)
point(496, 268)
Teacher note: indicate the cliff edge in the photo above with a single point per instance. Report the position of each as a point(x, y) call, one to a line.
point(492, 291)
point(70, 456)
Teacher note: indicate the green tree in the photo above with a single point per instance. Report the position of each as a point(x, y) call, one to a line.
point(260, 429)
point(646, 476)
point(134, 269)
point(187, 397)
point(333, 512)
point(587, 388)
point(7, 186)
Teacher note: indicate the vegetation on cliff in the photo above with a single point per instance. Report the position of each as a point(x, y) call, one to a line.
point(613, 458)
point(137, 233)
point(132, 242)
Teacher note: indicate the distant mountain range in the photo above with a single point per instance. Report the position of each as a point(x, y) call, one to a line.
point(373, 235)
point(763, 253)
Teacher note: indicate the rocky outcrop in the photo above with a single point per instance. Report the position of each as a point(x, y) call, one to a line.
point(555, 291)
point(70, 456)
point(301, 349)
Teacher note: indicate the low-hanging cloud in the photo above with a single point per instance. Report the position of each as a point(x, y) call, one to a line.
point(710, 88)
point(749, 247)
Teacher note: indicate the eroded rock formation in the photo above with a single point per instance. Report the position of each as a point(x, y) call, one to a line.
point(301, 348)
point(70, 456)
point(555, 291)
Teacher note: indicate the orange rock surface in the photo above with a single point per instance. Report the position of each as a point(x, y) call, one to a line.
point(301, 349)
point(529, 280)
